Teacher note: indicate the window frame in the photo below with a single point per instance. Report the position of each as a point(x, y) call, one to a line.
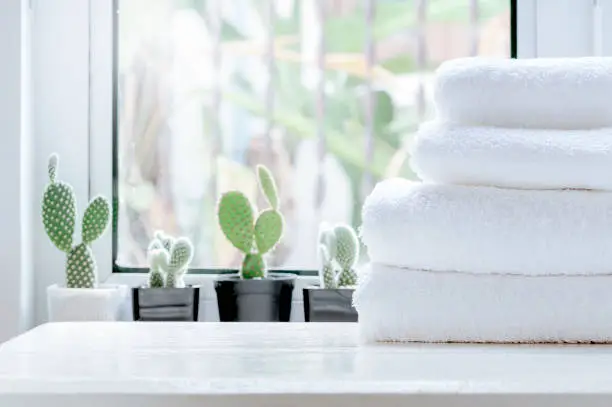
point(17, 208)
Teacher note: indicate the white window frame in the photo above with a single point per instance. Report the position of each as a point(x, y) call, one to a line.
point(72, 73)
point(17, 214)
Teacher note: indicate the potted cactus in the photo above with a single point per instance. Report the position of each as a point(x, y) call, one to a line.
point(166, 297)
point(82, 298)
point(253, 294)
point(332, 300)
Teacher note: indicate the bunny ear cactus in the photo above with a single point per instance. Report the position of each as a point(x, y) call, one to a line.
point(327, 274)
point(59, 219)
point(347, 254)
point(165, 240)
point(158, 262)
point(327, 238)
point(95, 219)
point(339, 253)
point(169, 260)
point(59, 209)
point(181, 254)
point(253, 237)
point(268, 186)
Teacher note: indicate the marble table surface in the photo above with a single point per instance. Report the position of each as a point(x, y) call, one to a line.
point(295, 364)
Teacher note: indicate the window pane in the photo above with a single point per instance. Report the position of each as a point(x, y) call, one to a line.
point(327, 94)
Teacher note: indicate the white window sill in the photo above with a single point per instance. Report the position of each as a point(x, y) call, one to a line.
point(186, 364)
point(208, 298)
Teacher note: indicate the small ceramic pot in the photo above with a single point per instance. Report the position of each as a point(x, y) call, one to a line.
point(166, 304)
point(104, 303)
point(255, 300)
point(329, 305)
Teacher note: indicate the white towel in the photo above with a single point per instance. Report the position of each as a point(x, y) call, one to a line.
point(541, 93)
point(488, 230)
point(513, 157)
point(410, 305)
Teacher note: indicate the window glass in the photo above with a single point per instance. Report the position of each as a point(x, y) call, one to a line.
point(327, 94)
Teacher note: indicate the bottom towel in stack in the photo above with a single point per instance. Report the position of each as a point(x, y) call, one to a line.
point(399, 304)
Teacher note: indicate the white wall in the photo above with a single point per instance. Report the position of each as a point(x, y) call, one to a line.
point(16, 210)
point(60, 46)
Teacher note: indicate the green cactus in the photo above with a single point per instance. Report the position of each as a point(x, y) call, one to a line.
point(158, 263)
point(59, 209)
point(169, 260)
point(347, 278)
point(347, 246)
point(327, 273)
point(59, 219)
point(268, 230)
point(340, 257)
point(166, 240)
point(95, 219)
point(253, 237)
point(81, 267)
point(253, 266)
point(268, 186)
point(235, 215)
point(328, 239)
point(181, 254)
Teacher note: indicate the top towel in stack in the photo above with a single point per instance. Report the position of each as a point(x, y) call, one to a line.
point(554, 93)
point(529, 124)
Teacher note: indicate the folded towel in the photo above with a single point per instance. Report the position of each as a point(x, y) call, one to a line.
point(488, 230)
point(409, 305)
point(514, 157)
point(541, 93)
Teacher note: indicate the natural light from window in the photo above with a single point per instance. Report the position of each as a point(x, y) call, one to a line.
point(326, 93)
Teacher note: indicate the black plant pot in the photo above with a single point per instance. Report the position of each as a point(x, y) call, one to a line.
point(329, 305)
point(263, 300)
point(166, 304)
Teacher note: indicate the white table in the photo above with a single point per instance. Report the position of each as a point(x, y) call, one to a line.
point(212, 364)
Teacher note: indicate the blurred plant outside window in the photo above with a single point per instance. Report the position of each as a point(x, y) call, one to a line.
point(326, 93)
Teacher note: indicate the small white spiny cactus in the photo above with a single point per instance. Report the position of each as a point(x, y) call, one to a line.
point(338, 255)
point(169, 260)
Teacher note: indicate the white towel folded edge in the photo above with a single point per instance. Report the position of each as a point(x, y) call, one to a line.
point(488, 230)
point(513, 157)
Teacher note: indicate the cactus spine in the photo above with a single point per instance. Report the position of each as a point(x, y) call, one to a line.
point(253, 237)
point(59, 220)
point(169, 260)
point(338, 256)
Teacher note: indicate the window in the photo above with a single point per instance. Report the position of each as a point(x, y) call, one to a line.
point(326, 93)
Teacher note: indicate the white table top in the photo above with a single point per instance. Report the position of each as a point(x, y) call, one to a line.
point(214, 364)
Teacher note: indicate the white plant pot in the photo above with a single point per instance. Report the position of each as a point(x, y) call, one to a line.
point(104, 303)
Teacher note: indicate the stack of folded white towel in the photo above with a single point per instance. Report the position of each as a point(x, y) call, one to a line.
point(509, 237)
